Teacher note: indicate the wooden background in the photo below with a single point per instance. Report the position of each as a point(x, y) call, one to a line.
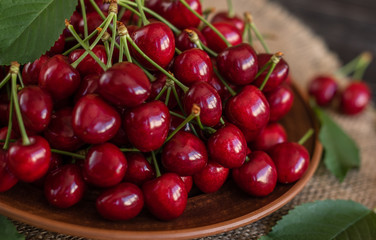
point(347, 26)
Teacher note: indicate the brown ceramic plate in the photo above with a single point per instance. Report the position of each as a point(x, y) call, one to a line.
point(206, 214)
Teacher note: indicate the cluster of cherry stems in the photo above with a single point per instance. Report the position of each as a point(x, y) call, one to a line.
point(199, 102)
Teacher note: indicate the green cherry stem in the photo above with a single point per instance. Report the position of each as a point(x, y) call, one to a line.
point(97, 9)
point(207, 12)
point(247, 27)
point(10, 123)
point(306, 136)
point(20, 79)
point(177, 115)
point(351, 66)
point(121, 12)
point(155, 163)
point(83, 11)
point(232, 92)
point(206, 22)
point(177, 98)
point(257, 32)
point(123, 33)
point(151, 77)
point(275, 60)
point(140, 6)
point(112, 9)
point(193, 37)
point(95, 32)
point(208, 50)
point(198, 119)
point(362, 65)
point(222, 121)
point(129, 150)
point(178, 51)
point(231, 12)
point(164, 89)
point(65, 153)
point(5, 81)
point(168, 95)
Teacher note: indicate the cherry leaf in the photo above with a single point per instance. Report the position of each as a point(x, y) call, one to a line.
point(326, 220)
point(30, 27)
point(8, 231)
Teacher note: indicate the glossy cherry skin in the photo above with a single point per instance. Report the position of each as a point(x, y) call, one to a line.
point(139, 169)
point(230, 32)
point(188, 182)
point(238, 64)
point(30, 71)
point(355, 98)
point(157, 41)
point(89, 85)
point(183, 42)
point(323, 89)
point(165, 196)
point(271, 135)
point(29, 162)
point(277, 77)
point(94, 121)
point(235, 20)
point(193, 65)
point(280, 101)
point(64, 186)
point(59, 78)
point(291, 160)
point(248, 110)
point(88, 65)
point(36, 108)
point(209, 101)
point(58, 46)
point(258, 176)
point(211, 177)
point(185, 154)
point(59, 132)
point(122, 202)
point(124, 84)
point(228, 146)
point(176, 13)
point(105, 165)
point(147, 125)
point(7, 178)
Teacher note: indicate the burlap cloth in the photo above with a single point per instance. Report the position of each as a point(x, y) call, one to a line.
point(307, 56)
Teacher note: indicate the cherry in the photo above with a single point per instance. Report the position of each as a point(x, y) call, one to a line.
point(193, 65)
point(94, 20)
point(165, 196)
point(230, 32)
point(248, 110)
point(29, 162)
point(120, 138)
point(280, 101)
point(124, 84)
point(88, 65)
point(185, 154)
point(147, 125)
point(209, 101)
point(122, 202)
point(75, 21)
point(323, 89)
point(94, 121)
point(59, 78)
point(270, 136)
point(238, 64)
point(55, 163)
point(59, 132)
point(157, 41)
point(211, 177)
point(228, 146)
point(3, 134)
point(64, 186)
point(139, 169)
point(258, 176)
point(188, 182)
point(7, 179)
point(176, 13)
point(183, 42)
point(89, 85)
point(291, 160)
point(278, 75)
point(58, 46)
point(176, 121)
point(4, 110)
point(105, 165)
point(355, 98)
point(30, 71)
point(235, 20)
point(220, 87)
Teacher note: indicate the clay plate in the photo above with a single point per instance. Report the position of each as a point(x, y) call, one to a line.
point(206, 214)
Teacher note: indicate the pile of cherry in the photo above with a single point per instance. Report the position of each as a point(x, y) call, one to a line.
point(189, 104)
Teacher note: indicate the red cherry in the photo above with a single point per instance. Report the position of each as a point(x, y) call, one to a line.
point(58, 46)
point(235, 20)
point(105, 165)
point(139, 169)
point(188, 182)
point(89, 85)
point(291, 160)
point(220, 87)
point(207, 98)
point(88, 65)
point(238, 64)
point(55, 163)
point(165, 196)
point(124, 84)
point(94, 20)
point(183, 42)
point(7, 179)
point(3, 134)
point(157, 41)
point(94, 121)
point(258, 176)
point(280, 101)
point(64, 186)
point(355, 98)
point(4, 110)
point(228, 146)
point(211, 177)
point(185, 154)
point(29, 162)
point(30, 72)
point(323, 89)
point(147, 125)
point(230, 32)
point(176, 121)
point(270, 136)
point(122, 202)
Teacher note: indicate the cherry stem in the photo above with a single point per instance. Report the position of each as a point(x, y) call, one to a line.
point(306, 136)
point(140, 6)
point(121, 49)
point(207, 12)
point(350, 66)
point(208, 50)
point(231, 12)
point(151, 77)
point(129, 150)
point(267, 64)
point(65, 153)
point(247, 159)
point(121, 13)
point(155, 163)
point(232, 92)
point(113, 40)
point(362, 65)
point(178, 51)
point(253, 26)
point(83, 11)
point(206, 22)
point(123, 33)
point(193, 37)
point(275, 60)
point(5, 80)
point(97, 9)
point(222, 121)
point(20, 80)
point(198, 119)
point(134, 45)
point(85, 40)
point(10, 123)
point(161, 92)
point(176, 115)
point(107, 47)
point(168, 95)
point(177, 98)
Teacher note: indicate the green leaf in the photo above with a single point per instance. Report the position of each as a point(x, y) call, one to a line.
point(326, 220)
point(30, 27)
point(8, 231)
point(341, 152)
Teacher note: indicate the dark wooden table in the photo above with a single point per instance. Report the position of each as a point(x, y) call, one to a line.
point(348, 27)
